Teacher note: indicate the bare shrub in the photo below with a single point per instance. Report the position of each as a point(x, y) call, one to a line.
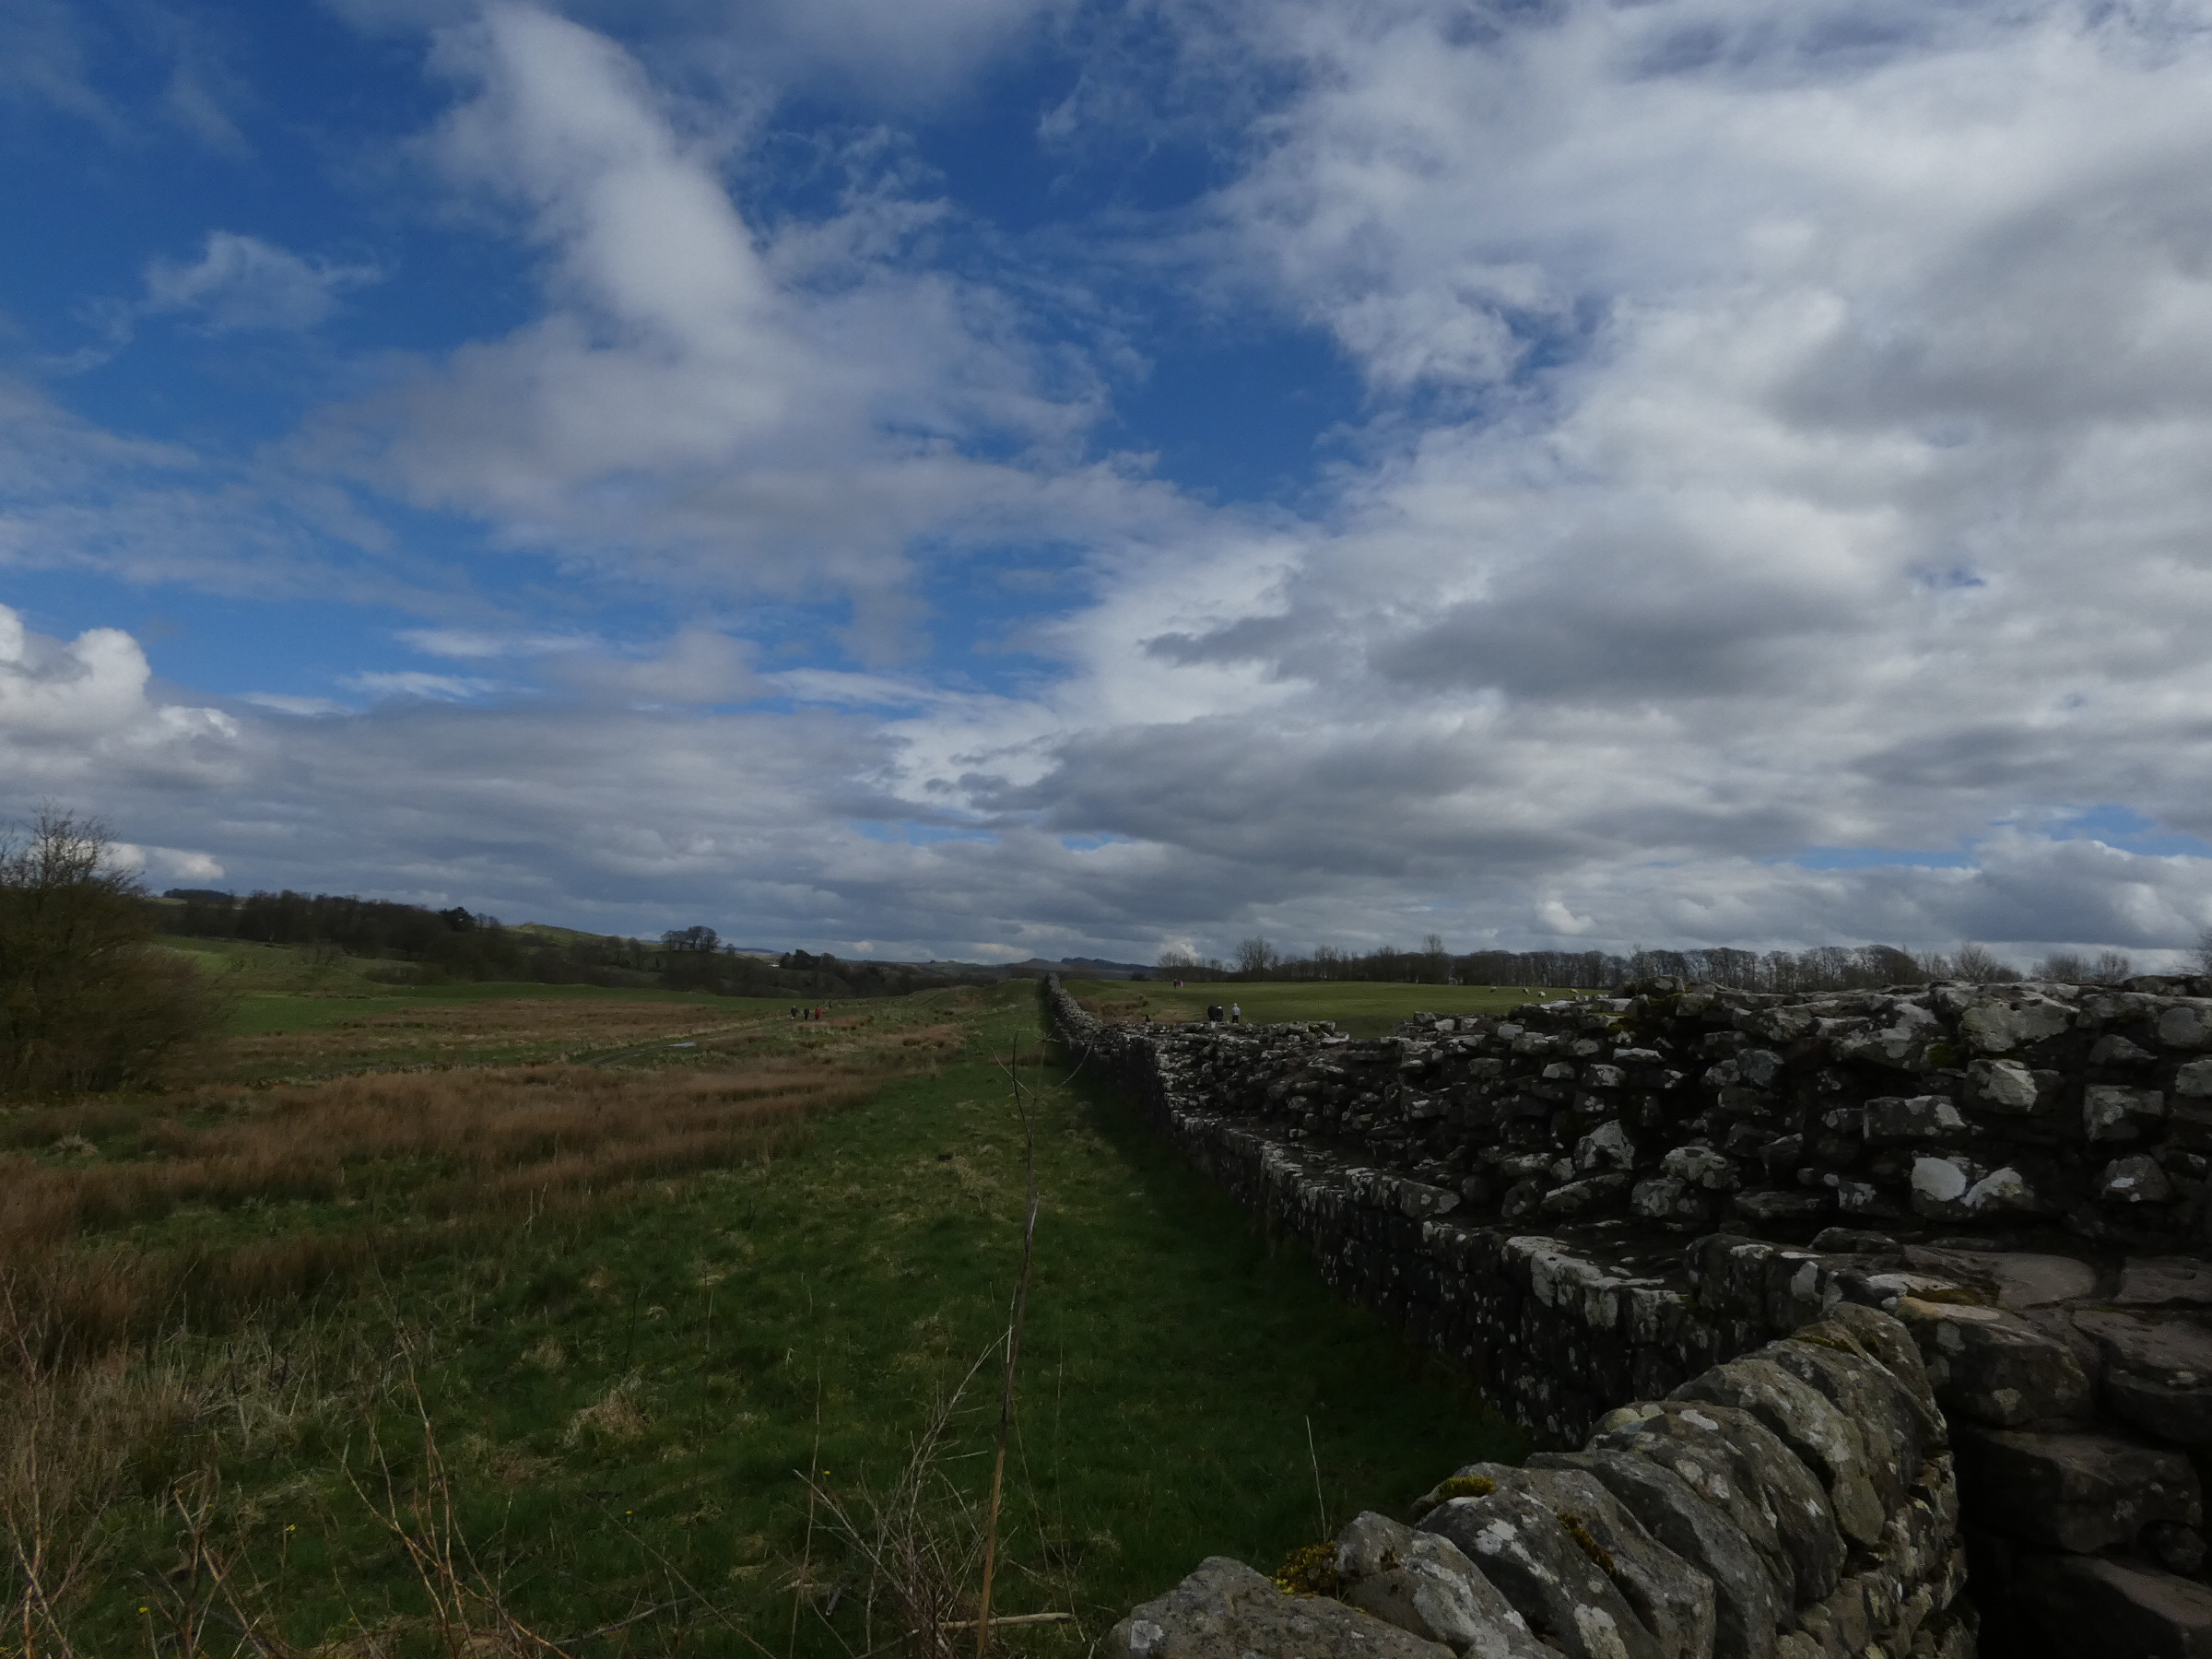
point(87, 1001)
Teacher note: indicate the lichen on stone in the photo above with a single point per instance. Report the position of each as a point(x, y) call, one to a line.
point(1310, 1570)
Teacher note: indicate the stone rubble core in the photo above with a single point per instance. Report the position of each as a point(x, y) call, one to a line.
point(1590, 1202)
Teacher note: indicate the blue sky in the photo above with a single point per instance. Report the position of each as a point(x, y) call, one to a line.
point(1039, 476)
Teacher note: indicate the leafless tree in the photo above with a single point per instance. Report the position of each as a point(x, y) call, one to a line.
point(1256, 957)
point(87, 999)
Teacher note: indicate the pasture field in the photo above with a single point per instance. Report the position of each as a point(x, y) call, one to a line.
point(535, 1355)
point(1363, 1008)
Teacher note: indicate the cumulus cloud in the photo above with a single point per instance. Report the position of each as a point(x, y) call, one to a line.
point(1784, 440)
point(1784, 449)
point(78, 712)
point(706, 401)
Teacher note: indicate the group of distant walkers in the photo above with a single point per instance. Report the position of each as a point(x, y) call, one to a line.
point(1236, 1014)
point(813, 1013)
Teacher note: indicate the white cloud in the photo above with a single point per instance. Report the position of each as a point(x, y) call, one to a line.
point(412, 683)
point(240, 283)
point(306, 708)
point(708, 403)
point(1789, 434)
point(468, 644)
point(1786, 431)
point(175, 864)
point(77, 713)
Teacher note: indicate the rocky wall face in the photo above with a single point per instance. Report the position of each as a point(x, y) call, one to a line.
point(2009, 1108)
point(1541, 1199)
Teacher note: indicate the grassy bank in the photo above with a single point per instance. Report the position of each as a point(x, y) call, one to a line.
point(614, 1306)
point(1364, 1008)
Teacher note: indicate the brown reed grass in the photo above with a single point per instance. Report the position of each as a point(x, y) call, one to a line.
point(397, 1164)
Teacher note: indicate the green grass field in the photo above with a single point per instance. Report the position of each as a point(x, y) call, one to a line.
point(624, 1396)
point(1363, 1008)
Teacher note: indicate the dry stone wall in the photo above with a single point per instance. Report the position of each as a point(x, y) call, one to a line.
point(1791, 1504)
point(1592, 1203)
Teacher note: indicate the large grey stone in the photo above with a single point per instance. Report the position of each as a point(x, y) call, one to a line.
point(2135, 1179)
point(1999, 1026)
point(1993, 1367)
point(1810, 1425)
point(1673, 1599)
point(1546, 1573)
point(1891, 1119)
point(1731, 1457)
point(1225, 1610)
point(1770, 1205)
point(1421, 1582)
point(2186, 1026)
point(2166, 1281)
point(2081, 1606)
point(1669, 1198)
point(2080, 1492)
point(1896, 1435)
point(2110, 1112)
point(2017, 1279)
point(1885, 1340)
point(2157, 1371)
point(1750, 1595)
point(1591, 1193)
point(2003, 1086)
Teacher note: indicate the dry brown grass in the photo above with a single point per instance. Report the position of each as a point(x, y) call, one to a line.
point(394, 1162)
point(459, 1031)
point(130, 1229)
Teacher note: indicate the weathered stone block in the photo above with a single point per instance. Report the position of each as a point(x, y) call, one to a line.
point(1422, 1583)
point(2082, 1607)
point(1225, 1610)
point(2081, 1492)
point(1750, 1600)
point(1546, 1573)
point(2003, 1086)
point(2157, 1371)
point(1810, 1425)
point(1897, 1435)
point(2186, 1026)
point(1993, 1367)
point(2000, 1025)
point(1890, 1120)
point(1673, 1599)
point(2161, 1281)
point(1771, 1205)
point(2134, 1180)
point(1668, 1198)
point(1731, 1459)
point(2110, 1113)
point(1702, 1167)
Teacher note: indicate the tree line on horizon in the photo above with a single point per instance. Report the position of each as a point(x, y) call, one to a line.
point(1821, 967)
point(427, 946)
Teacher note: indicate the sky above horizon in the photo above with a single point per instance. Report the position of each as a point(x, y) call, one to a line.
point(1015, 477)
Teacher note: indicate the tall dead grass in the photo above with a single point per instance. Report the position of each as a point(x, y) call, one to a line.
point(115, 1270)
point(404, 1161)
